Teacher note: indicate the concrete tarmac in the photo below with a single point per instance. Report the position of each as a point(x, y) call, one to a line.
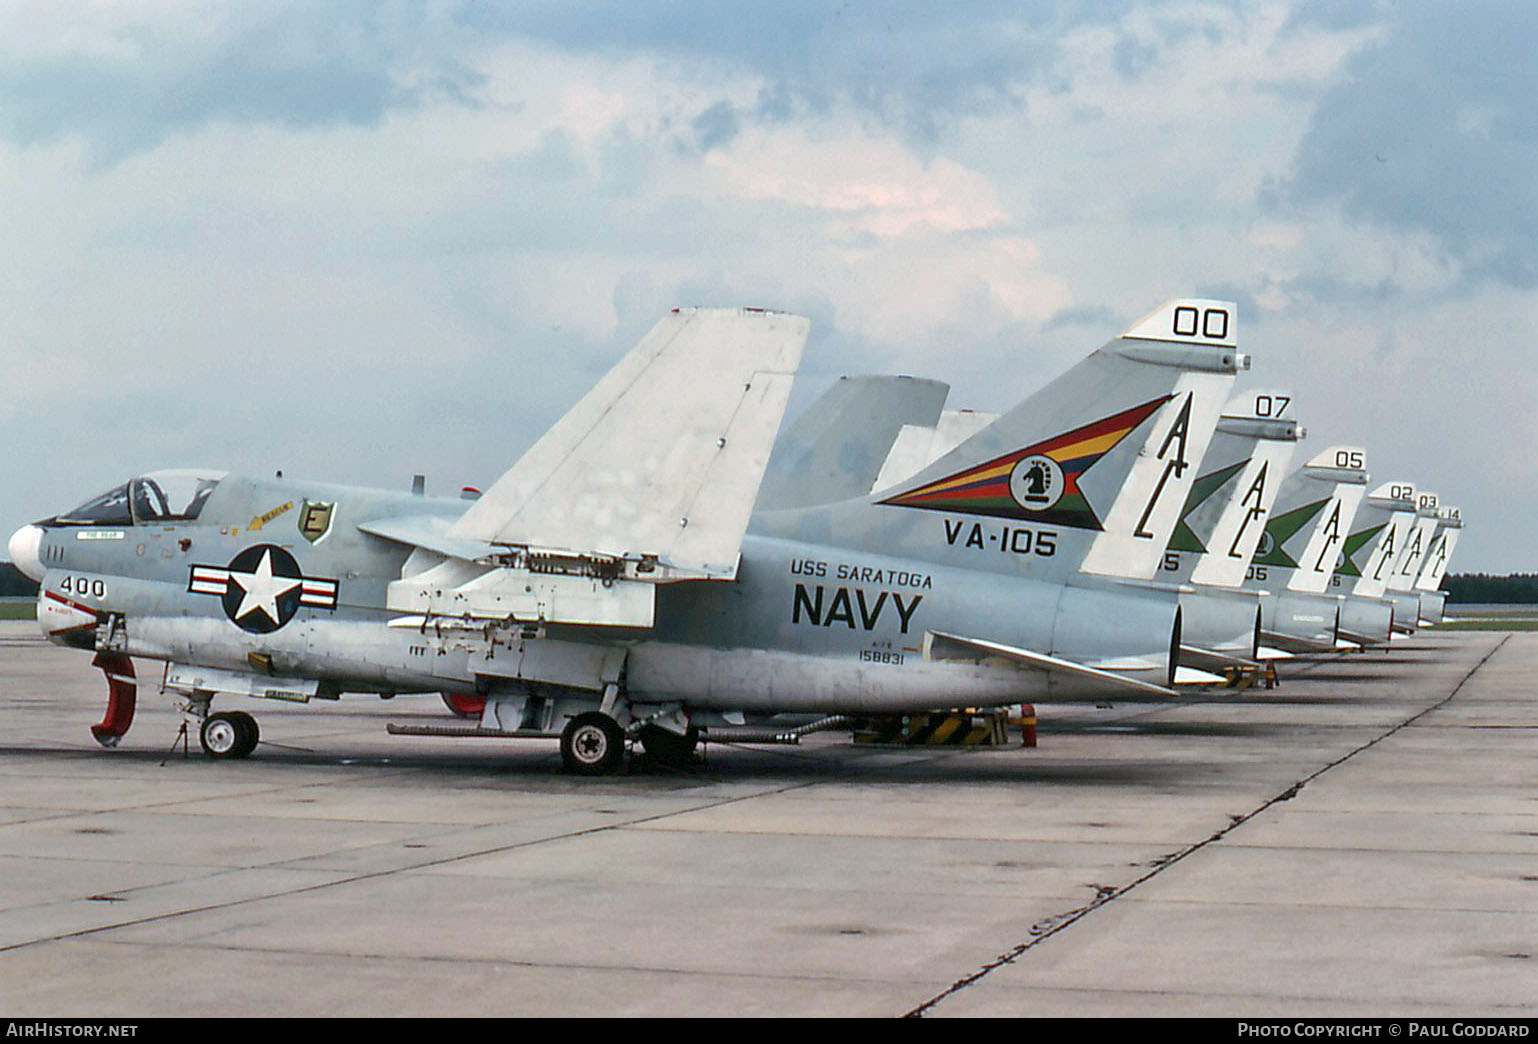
point(1362, 841)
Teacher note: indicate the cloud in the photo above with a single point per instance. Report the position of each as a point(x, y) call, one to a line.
point(126, 75)
point(910, 65)
point(1432, 132)
point(361, 241)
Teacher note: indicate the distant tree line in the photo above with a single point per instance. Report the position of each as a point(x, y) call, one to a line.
point(13, 584)
point(1471, 588)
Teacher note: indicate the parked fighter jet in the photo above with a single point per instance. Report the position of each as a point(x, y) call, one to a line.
point(608, 585)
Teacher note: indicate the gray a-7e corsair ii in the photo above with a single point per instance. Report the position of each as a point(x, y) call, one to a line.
point(610, 586)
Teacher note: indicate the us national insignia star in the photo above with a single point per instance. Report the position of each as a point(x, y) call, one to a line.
point(262, 588)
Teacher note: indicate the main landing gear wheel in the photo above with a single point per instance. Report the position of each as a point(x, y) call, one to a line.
point(464, 704)
point(592, 744)
point(670, 748)
point(229, 734)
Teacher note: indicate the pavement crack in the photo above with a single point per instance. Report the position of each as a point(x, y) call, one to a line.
point(1047, 927)
point(417, 865)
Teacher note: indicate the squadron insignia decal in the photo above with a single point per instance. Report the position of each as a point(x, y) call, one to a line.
point(1283, 528)
point(262, 588)
point(1039, 483)
point(1354, 543)
point(315, 519)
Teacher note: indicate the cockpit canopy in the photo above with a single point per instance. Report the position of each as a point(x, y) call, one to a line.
point(175, 495)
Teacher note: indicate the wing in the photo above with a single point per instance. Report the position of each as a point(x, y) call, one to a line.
point(663, 458)
point(649, 479)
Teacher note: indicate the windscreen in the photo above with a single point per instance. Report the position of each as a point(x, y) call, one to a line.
point(107, 509)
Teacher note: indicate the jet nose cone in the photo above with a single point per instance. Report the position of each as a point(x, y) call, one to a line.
point(25, 545)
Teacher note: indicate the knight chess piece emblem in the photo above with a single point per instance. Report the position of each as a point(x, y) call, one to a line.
point(1036, 482)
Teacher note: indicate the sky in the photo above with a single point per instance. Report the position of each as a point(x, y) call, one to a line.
point(362, 240)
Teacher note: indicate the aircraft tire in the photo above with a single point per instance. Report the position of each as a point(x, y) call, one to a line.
point(592, 744)
point(251, 735)
point(669, 748)
point(224, 735)
point(464, 704)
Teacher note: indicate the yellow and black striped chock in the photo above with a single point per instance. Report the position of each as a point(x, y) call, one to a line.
point(935, 729)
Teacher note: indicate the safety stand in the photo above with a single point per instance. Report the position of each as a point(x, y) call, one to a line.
point(186, 742)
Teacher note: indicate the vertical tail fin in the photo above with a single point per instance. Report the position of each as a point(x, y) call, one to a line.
point(1225, 515)
point(1380, 530)
point(1407, 566)
point(1311, 520)
point(918, 447)
point(1449, 527)
point(1099, 462)
point(835, 449)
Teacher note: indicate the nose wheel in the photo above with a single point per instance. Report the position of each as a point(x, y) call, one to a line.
point(229, 734)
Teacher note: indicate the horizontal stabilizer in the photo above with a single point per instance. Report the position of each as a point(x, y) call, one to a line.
point(940, 646)
point(664, 456)
point(1294, 645)
point(1192, 676)
point(1212, 658)
point(1338, 464)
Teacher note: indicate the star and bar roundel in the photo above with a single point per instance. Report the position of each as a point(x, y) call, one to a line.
point(262, 588)
point(1039, 483)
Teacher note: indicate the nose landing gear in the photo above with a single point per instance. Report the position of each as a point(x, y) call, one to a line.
point(229, 734)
